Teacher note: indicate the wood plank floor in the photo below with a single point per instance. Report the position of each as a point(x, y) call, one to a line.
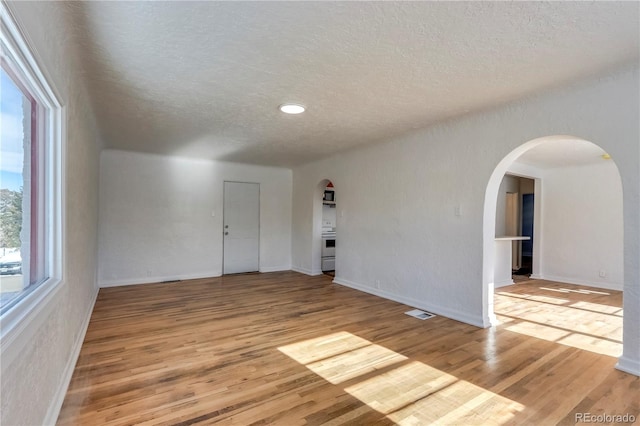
point(285, 348)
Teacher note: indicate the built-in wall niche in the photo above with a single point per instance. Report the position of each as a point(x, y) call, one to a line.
point(329, 216)
point(329, 196)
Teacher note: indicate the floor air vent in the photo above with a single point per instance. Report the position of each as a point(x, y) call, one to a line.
point(417, 313)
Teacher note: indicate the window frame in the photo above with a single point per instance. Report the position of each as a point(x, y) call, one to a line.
point(50, 139)
point(34, 182)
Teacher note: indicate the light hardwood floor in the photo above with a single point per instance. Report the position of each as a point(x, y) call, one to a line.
point(285, 348)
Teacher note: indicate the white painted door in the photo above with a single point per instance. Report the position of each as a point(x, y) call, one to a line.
point(241, 227)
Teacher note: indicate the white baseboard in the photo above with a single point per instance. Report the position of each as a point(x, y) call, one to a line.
point(439, 310)
point(275, 268)
point(306, 271)
point(628, 366)
point(301, 270)
point(490, 321)
point(56, 404)
point(150, 280)
point(576, 281)
point(503, 283)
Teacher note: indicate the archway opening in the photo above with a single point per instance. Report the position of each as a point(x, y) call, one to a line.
point(577, 246)
point(324, 229)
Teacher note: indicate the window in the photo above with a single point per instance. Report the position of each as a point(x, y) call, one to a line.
point(30, 179)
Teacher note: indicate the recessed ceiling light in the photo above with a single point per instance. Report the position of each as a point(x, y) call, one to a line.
point(292, 108)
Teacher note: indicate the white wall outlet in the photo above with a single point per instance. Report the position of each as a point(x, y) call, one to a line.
point(603, 273)
point(457, 210)
point(377, 283)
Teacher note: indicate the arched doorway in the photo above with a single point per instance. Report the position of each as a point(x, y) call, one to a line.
point(552, 159)
point(323, 239)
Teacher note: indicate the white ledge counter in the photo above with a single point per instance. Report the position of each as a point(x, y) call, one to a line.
point(503, 247)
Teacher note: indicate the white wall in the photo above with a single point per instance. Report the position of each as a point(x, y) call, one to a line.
point(412, 247)
point(37, 366)
point(156, 218)
point(583, 231)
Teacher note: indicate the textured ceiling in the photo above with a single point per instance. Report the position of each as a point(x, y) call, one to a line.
point(205, 78)
point(563, 153)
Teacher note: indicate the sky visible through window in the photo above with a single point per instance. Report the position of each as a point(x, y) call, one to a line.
point(11, 130)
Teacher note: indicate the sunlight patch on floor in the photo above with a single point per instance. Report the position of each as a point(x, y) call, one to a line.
point(580, 291)
point(417, 394)
point(610, 345)
point(407, 392)
point(584, 325)
point(323, 347)
point(401, 387)
point(593, 344)
point(595, 307)
point(341, 356)
point(536, 297)
point(534, 330)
